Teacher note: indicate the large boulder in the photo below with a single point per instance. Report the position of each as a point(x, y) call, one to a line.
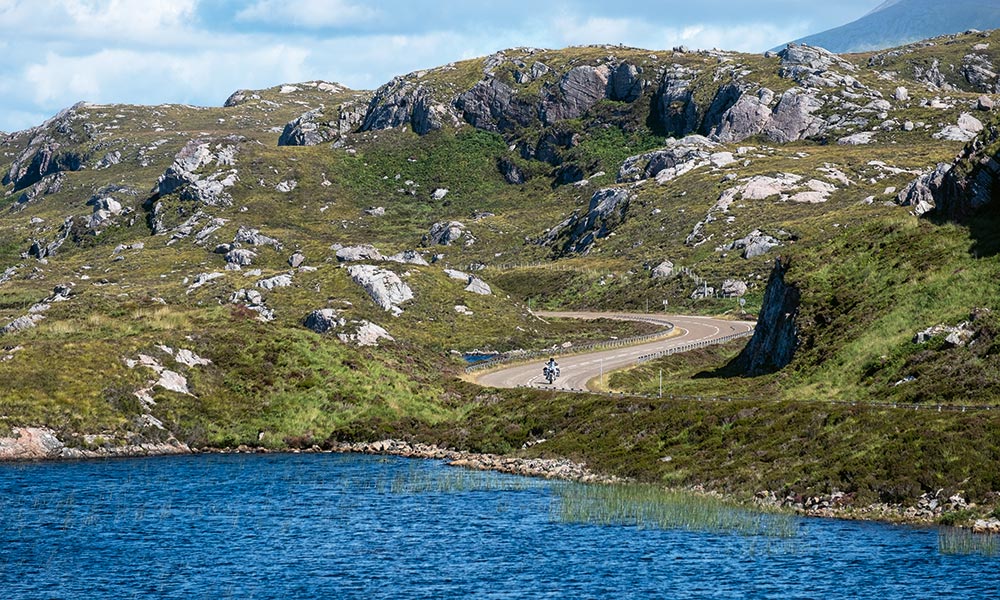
point(366, 333)
point(382, 285)
point(754, 244)
point(359, 253)
point(446, 233)
point(323, 320)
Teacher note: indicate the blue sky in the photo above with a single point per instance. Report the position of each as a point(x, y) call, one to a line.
point(58, 52)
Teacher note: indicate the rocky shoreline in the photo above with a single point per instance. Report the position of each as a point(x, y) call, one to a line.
point(35, 444)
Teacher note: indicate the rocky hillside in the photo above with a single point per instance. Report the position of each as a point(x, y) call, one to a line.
point(307, 262)
point(898, 22)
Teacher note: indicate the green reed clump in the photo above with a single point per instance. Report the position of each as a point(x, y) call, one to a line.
point(952, 540)
point(416, 481)
point(647, 506)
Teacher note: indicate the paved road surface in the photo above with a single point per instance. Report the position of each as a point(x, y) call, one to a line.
point(577, 370)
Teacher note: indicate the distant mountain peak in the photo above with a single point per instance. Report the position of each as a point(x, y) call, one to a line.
point(898, 22)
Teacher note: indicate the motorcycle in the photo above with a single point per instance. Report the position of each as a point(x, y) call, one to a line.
point(550, 373)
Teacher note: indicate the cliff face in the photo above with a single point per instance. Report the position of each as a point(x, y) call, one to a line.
point(972, 182)
point(776, 337)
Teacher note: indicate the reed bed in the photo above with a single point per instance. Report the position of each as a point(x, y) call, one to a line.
point(952, 540)
point(417, 481)
point(646, 506)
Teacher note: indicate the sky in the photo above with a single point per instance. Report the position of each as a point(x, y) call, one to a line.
point(59, 52)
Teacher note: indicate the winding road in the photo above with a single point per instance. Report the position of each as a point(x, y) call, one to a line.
point(577, 370)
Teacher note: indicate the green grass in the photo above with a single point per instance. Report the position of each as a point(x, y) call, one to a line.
point(649, 507)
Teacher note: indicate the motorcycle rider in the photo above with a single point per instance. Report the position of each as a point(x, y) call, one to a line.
point(552, 366)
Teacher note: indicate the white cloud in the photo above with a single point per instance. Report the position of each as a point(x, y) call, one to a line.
point(570, 29)
point(157, 77)
point(108, 22)
point(307, 13)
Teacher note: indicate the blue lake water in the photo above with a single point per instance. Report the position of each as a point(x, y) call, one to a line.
point(342, 526)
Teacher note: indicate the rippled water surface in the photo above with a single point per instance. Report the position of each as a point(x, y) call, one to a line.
point(335, 526)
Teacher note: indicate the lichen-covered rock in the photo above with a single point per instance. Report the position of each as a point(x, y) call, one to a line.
point(382, 285)
point(359, 253)
point(494, 106)
point(278, 281)
point(675, 109)
point(241, 257)
point(21, 324)
point(253, 237)
point(366, 334)
point(50, 184)
point(972, 182)
point(664, 270)
point(313, 127)
point(408, 257)
point(578, 91)
point(755, 244)
point(188, 175)
point(733, 288)
point(295, 260)
point(48, 151)
point(404, 101)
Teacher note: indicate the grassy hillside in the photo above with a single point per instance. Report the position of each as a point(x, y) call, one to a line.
point(148, 276)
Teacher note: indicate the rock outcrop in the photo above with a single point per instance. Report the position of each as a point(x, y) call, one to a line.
point(920, 193)
point(677, 158)
point(775, 339)
point(972, 182)
point(446, 233)
point(314, 127)
point(405, 101)
point(190, 177)
point(608, 209)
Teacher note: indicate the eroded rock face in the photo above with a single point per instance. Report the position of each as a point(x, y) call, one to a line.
point(972, 182)
point(775, 339)
point(579, 90)
point(790, 119)
point(608, 209)
point(49, 151)
point(494, 106)
point(675, 109)
point(405, 102)
point(50, 184)
point(921, 191)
